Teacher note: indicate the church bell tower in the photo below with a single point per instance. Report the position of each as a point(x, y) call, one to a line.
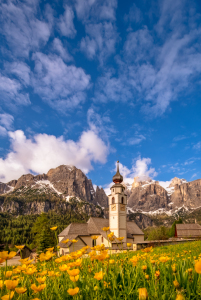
point(118, 207)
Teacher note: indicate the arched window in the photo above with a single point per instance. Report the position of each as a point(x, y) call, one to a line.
point(122, 200)
point(113, 200)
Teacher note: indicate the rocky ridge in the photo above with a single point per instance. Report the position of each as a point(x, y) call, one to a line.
point(151, 197)
point(51, 191)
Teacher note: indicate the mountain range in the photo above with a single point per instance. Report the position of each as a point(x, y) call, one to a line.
point(148, 200)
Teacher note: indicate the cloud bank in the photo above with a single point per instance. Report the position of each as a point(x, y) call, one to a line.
point(42, 152)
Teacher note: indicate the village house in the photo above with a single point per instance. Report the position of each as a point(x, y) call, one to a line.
point(188, 230)
point(83, 232)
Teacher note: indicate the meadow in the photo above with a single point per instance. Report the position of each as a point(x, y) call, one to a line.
point(166, 273)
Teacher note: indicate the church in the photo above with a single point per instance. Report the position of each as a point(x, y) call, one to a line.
point(83, 232)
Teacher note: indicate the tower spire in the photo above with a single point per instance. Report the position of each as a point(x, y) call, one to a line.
point(117, 178)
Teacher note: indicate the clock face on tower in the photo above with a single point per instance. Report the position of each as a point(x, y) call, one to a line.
point(113, 207)
point(122, 207)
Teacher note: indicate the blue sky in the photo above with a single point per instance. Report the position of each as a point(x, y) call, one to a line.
point(87, 82)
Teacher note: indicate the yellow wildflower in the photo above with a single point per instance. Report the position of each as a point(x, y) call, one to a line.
point(19, 247)
point(74, 241)
point(54, 228)
point(20, 290)
point(41, 279)
point(111, 261)
point(99, 275)
point(1, 260)
point(105, 228)
point(120, 239)
point(129, 244)
point(146, 276)
point(74, 278)
point(176, 284)
point(63, 268)
point(144, 268)
point(95, 288)
point(180, 297)
point(50, 249)
point(9, 274)
point(163, 258)
point(66, 241)
point(11, 284)
point(51, 273)
point(1, 284)
point(6, 256)
point(74, 291)
point(143, 295)
point(94, 237)
point(8, 297)
point(73, 272)
point(157, 273)
point(198, 267)
point(38, 288)
point(134, 260)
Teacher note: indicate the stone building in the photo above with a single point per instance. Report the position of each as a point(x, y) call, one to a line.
point(82, 232)
point(188, 231)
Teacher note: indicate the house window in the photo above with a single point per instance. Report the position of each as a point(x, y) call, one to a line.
point(122, 200)
point(122, 190)
point(93, 243)
point(113, 190)
point(113, 200)
point(102, 239)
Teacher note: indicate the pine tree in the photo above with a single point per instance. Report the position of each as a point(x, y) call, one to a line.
point(45, 240)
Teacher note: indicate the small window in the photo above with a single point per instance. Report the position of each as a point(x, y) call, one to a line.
point(113, 200)
point(93, 243)
point(122, 200)
point(113, 190)
point(122, 189)
point(102, 239)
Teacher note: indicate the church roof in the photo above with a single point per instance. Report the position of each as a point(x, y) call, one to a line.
point(132, 228)
point(75, 228)
point(93, 227)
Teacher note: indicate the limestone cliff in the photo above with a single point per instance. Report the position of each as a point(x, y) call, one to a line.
point(64, 181)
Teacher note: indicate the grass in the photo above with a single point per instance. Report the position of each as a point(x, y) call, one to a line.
point(165, 272)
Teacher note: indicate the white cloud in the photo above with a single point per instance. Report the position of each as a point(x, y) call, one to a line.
point(155, 72)
point(21, 70)
point(65, 24)
point(136, 140)
point(43, 152)
point(59, 48)
point(100, 40)
point(197, 146)
point(11, 92)
point(96, 9)
point(3, 131)
point(62, 86)
point(6, 120)
point(22, 30)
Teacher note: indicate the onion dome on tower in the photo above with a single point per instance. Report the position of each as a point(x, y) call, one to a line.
point(117, 178)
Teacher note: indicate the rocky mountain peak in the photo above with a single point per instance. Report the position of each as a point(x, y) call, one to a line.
point(176, 181)
point(65, 181)
point(140, 180)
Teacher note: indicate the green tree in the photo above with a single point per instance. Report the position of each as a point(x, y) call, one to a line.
point(45, 240)
point(172, 229)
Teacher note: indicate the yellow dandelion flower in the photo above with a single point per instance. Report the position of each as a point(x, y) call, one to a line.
point(41, 279)
point(176, 284)
point(9, 274)
point(11, 284)
point(74, 291)
point(99, 275)
point(143, 295)
point(20, 290)
point(20, 247)
point(105, 228)
point(74, 278)
point(54, 228)
point(38, 288)
point(198, 267)
point(73, 272)
point(8, 297)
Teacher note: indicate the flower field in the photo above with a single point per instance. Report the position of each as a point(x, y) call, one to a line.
point(170, 272)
